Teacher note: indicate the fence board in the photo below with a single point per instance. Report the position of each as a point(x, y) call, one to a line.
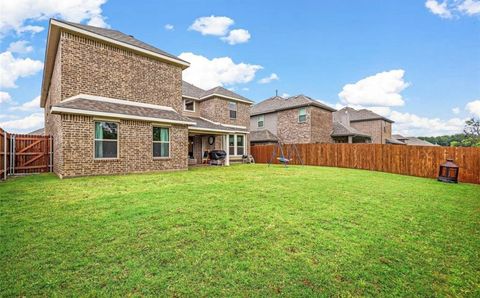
point(421, 161)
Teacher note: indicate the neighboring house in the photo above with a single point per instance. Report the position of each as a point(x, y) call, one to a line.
point(361, 126)
point(40, 131)
point(411, 141)
point(297, 119)
point(114, 104)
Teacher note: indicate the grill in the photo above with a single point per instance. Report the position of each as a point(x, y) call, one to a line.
point(217, 157)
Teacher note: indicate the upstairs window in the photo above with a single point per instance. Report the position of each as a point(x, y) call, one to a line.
point(106, 139)
point(232, 107)
point(189, 105)
point(260, 121)
point(302, 115)
point(161, 142)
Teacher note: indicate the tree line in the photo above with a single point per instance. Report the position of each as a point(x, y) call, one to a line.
point(469, 138)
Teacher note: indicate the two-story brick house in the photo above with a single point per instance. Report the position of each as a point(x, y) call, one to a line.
point(361, 126)
point(296, 119)
point(114, 104)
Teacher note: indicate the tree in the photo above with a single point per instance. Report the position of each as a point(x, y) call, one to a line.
point(472, 133)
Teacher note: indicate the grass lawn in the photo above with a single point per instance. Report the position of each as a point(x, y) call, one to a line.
point(246, 230)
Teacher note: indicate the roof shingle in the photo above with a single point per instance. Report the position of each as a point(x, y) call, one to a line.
point(278, 103)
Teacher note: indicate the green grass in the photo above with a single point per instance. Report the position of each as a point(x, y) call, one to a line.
point(247, 230)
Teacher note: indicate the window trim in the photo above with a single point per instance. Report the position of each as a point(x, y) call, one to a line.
point(298, 117)
point(162, 142)
point(95, 139)
point(231, 110)
point(262, 117)
point(185, 106)
point(235, 145)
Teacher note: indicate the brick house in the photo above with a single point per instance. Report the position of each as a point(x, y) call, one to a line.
point(297, 119)
point(114, 104)
point(361, 126)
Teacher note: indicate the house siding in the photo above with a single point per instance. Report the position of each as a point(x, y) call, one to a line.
point(289, 130)
point(135, 152)
point(270, 123)
point(380, 130)
point(96, 68)
point(216, 109)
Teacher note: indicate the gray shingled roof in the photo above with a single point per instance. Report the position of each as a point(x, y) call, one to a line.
point(278, 103)
point(413, 141)
point(341, 130)
point(362, 115)
point(394, 141)
point(203, 123)
point(40, 131)
point(122, 37)
point(125, 109)
point(263, 135)
point(196, 92)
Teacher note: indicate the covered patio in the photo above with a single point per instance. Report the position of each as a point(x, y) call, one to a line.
point(207, 136)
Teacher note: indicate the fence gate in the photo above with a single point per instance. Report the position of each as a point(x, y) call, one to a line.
point(25, 154)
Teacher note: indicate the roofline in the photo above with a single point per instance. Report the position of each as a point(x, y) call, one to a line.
point(61, 25)
point(370, 119)
point(226, 125)
point(325, 107)
point(350, 134)
point(118, 101)
point(227, 97)
point(200, 129)
point(60, 110)
point(116, 42)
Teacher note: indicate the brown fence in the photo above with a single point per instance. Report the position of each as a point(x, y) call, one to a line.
point(24, 154)
point(421, 161)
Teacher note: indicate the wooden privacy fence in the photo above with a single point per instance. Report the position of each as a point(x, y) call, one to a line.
point(421, 161)
point(24, 154)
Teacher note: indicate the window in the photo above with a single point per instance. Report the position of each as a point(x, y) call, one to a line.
point(189, 105)
point(302, 115)
point(161, 142)
point(260, 121)
point(232, 107)
point(106, 140)
point(236, 145)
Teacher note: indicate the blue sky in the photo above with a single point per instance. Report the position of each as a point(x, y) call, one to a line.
point(417, 62)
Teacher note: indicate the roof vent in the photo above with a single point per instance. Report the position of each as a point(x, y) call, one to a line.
point(131, 36)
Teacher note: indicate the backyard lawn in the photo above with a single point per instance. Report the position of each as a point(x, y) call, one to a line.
point(246, 230)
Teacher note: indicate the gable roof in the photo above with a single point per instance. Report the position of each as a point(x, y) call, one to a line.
point(203, 124)
point(342, 130)
point(192, 91)
point(278, 103)
point(362, 115)
point(109, 36)
point(121, 37)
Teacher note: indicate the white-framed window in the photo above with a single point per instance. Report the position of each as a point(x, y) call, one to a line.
point(236, 145)
point(161, 142)
point(189, 105)
point(106, 140)
point(302, 115)
point(261, 121)
point(232, 108)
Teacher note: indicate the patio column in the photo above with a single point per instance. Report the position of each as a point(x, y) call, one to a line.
point(350, 139)
point(225, 146)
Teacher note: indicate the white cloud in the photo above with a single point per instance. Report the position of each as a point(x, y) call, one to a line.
point(382, 89)
point(4, 97)
point(30, 28)
point(98, 21)
point(237, 36)
point(20, 46)
point(285, 95)
point(169, 27)
point(440, 9)
point(245, 89)
point(413, 125)
point(7, 116)
point(28, 106)
point(212, 25)
point(456, 110)
point(12, 68)
point(15, 13)
point(26, 124)
point(207, 73)
point(269, 79)
point(470, 7)
point(473, 107)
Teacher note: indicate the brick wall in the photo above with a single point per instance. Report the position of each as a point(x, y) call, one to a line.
point(290, 131)
point(380, 130)
point(134, 148)
point(216, 109)
point(322, 125)
point(95, 68)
